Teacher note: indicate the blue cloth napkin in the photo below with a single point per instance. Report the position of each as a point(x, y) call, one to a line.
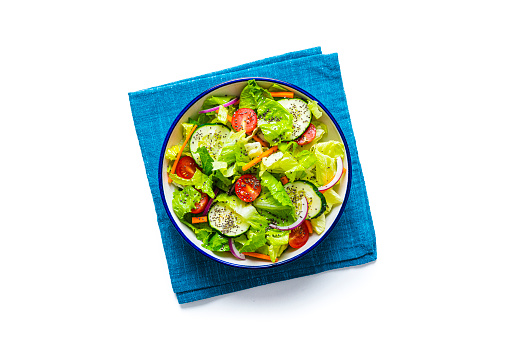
point(194, 276)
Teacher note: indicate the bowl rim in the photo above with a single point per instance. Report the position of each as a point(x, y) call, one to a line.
point(161, 164)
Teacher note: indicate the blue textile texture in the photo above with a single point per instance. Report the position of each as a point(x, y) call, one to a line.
point(194, 276)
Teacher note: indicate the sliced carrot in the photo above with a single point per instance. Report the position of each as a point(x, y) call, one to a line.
point(257, 255)
point(282, 94)
point(257, 138)
point(180, 153)
point(197, 220)
point(259, 158)
point(309, 226)
point(229, 118)
point(284, 180)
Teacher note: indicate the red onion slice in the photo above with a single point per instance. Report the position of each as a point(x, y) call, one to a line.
point(235, 251)
point(209, 203)
point(334, 181)
point(232, 102)
point(301, 216)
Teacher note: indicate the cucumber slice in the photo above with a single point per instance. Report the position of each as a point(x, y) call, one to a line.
point(316, 201)
point(301, 115)
point(223, 219)
point(212, 136)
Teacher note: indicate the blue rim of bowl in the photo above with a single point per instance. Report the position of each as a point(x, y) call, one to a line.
point(161, 163)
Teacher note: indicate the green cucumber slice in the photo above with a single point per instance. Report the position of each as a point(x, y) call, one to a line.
point(316, 201)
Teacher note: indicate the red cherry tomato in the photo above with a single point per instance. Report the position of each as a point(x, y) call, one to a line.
point(248, 188)
point(186, 167)
point(200, 206)
point(299, 236)
point(307, 136)
point(244, 118)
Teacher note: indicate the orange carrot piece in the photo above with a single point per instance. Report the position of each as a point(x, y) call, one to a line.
point(229, 118)
point(180, 153)
point(282, 94)
point(257, 255)
point(259, 158)
point(284, 180)
point(309, 226)
point(257, 138)
point(197, 220)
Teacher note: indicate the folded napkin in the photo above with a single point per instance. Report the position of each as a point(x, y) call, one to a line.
point(194, 276)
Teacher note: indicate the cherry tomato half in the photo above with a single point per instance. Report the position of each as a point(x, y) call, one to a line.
point(186, 167)
point(244, 118)
point(307, 136)
point(200, 206)
point(299, 236)
point(248, 188)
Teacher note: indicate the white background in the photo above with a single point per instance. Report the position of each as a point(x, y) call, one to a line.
point(427, 88)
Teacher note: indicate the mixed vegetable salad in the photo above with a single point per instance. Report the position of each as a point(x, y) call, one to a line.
point(252, 175)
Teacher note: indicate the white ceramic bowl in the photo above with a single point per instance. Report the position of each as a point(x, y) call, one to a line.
point(174, 136)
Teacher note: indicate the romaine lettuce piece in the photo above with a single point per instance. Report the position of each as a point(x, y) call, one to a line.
point(253, 149)
point(315, 109)
point(209, 237)
point(222, 115)
point(199, 181)
point(332, 148)
point(266, 202)
point(332, 199)
point(184, 201)
point(318, 224)
point(275, 251)
point(277, 88)
point(293, 167)
point(214, 101)
point(325, 168)
point(277, 191)
point(172, 152)
point(275, 122)
point(245, 210)
point(255, 239)
point(252, 95)
point(206, 160)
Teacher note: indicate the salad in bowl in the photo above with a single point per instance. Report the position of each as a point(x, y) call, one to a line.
point(254, 173)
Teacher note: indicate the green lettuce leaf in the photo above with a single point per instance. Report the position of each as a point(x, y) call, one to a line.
point(215, 101)
point(321, 131)
point(209, 237)
point(172, 152)
point(252, 95)
point(332, 198)
point(275, 251)
point(216, 242)
point(332, 148)
point(222, 115)
point(199, 180)
point(266, 202)
point(275, 122)
point(277, 237)
point(201, 119)
point(245, 210)
point(325, 168)
point(294, 167)
point(277, 192)
point(184, 201)
point(206, 160)
point(277, 88)
point(318, 224)
point(255, 239)
point(314, 108)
